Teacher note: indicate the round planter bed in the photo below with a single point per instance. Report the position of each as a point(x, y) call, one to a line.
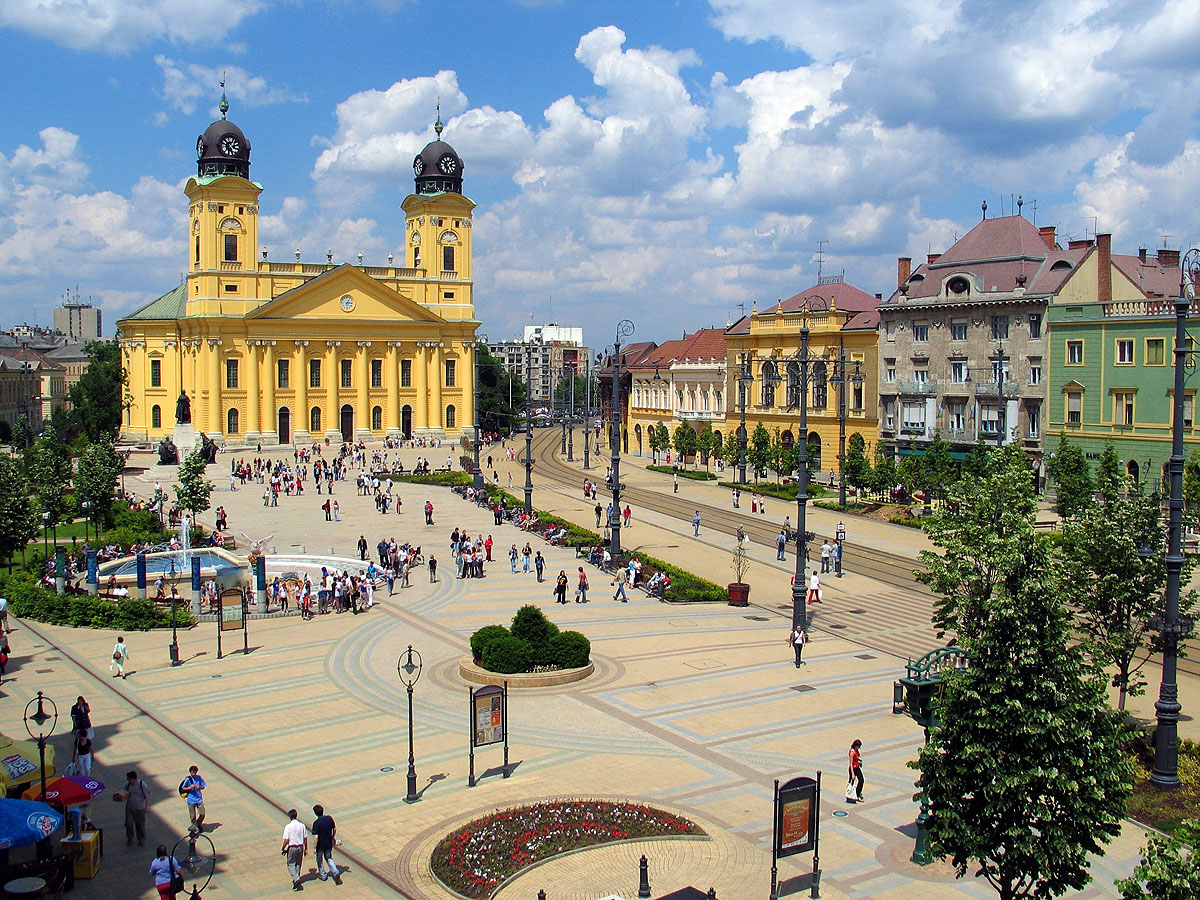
point(479, 675)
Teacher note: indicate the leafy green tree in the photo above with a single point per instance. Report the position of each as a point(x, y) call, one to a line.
point(685, 442)
point(1024, 772)
point(706, 443)
point(940, 469)
point(733, 449)
point(655, 439)
point(813, 449)
point(95, 479)
point(788, 459)
point(50, 476)
point(1191, 482)
point(759, 451)
point(1110, 478)
point(1073, 478)
point(1115, 589)
point(193, 491)
point(986, 532)
point(856, 469)
point(884, 471)
point(501, 394)
point(1170, 867)
point(976, 463)
point(910, 471)
point(97, 396)
point(17, 520)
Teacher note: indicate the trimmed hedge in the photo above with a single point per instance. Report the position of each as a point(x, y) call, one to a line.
point(28, 600)
point(686, 586)
point(570, 650)
point(507, 655)
point(438, 479)
point(485, 636)
point(694, 474)
point(534, 641)
point(778, 491)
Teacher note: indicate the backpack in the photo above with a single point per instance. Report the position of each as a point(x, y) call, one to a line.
point(185, 786)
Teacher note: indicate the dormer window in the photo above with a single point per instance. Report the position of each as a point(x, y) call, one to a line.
point(958, 286)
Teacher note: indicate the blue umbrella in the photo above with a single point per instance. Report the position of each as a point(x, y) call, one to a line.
point(26, 822)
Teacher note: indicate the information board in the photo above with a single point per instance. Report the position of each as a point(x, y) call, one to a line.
point(488, 715)
point(233, 613)
point(796, 817)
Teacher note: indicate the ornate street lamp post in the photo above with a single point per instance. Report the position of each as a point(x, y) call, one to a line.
point(528, 430)
point(744, 382)
point(624, 329)
point(479, 338)
point(839, 378)
point(41, 719)
point(571, 419)
point(173, 649)
point(587, 416)
point(409, 670)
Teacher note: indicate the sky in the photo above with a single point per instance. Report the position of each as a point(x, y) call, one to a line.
point(667, 162)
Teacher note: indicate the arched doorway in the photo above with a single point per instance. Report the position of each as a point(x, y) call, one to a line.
point(285, 425)
point(637, 433)
point(406, 422)
point(347, 424)
point(814, 452)
point(1132, 470)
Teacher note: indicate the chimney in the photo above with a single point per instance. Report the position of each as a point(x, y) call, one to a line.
point(932, 258)
point(1104, 268)
point(1079, 245)
point(1142, 255)
point(1049, 236)
point(1168, 259)
point(903, 269)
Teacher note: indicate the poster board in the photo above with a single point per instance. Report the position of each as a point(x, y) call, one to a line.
point(796, 817)
point(233, 612)
point(487, 716)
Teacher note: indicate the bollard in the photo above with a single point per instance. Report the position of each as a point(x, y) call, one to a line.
point(712, 893)
point(643, 877)
point(542, 894)
point(331, 551)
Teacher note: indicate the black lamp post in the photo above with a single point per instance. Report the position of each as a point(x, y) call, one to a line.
point(86, 506)
point(173, 649)
point(571, 418)
point(624, 329)
point(1001, 412)
point(587, 416)
point(200, 862)
point(45, 722)
point(839, 378)
point(528, 430)
point(562, 376)
point(744, 382)
point(409, 670)
point(479, 338)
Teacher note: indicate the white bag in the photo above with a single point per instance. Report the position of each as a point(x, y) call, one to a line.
point(851, 793)
point(72, 768)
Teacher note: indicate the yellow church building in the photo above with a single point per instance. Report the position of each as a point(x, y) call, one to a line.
point(291, 352)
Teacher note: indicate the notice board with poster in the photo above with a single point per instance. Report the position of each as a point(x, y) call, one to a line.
point(488, 713)
point(797, 822)
point(232, 617)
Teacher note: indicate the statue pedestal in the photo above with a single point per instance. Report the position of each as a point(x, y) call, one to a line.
point(184, 437)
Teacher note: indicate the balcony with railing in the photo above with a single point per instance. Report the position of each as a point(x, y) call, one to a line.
point(992, 389)
point(922, 388)
point(959, 435)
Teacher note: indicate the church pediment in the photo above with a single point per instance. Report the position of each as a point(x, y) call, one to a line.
point(342, 295)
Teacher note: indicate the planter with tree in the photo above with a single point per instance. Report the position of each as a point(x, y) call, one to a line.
point(739, 590)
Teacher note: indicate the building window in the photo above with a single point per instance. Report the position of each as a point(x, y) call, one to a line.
point(156, 373)
point(889, 415)
point(956, 414)
point(769, 376)
point(856, 396)
point(450, 365)
point(448, 259)
point(376, 418)
point(231, 248)
point(231, 373)
point(1074, 408)
point(1123, 408)
point(314, 373)
point(314, 420)
point(889, 329)
point(450, 417)
point(1155, 351)
point(1035, 326)
point(921, 376)
point(376, 373)
point(921, 332)
point(197, 249)
point(999, 328)
point(347, 367)
point(889, 372)
point(1035, 374)
point(416, 257)
point(1124, 352)
point(820, 386)
point(958, 331)
point(155, 417)
point(717, 401)
point(1189, 403)
point(913, 416)
point(406, 373)
point(1074, 353)
point(233, 423)
point(284, 373)
point(989, 419)
point(958, 371)
point(1001, 371)
point(1033, 425)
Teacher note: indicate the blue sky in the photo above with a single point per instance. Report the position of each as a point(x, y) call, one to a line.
point(662, 161)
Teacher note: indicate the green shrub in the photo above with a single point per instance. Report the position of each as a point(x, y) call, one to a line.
point(686, 586)
point(440, 479)
point(905, 521)
point(29, 600)
point(576, 535)
point(694, 474)
point(570, 650)
point(530, 624)
point(772, 489)
point(144, 521)
point(483, 637)
point(507, 655)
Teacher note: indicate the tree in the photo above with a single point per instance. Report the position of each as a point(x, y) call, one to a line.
point(1070, 472)
point(50, 475)
point(910, 472)
point(501, 394)
point(1170, 867)
point(884, 473)
point(940, 469)
point(1110, 478)
point(98, 395)
point(655, 439)
point(812, 448)
point(1024, 773)
point(986, 531)
point(192, 492)
point(1191, 481)
point(664, 436)
point(788, 459)
point(95, 479)
point(17, 520)
point(685, 442)
point(706, 443)
point(759, 451)
point(733, 448)
point(1115, 589)
point(856, 469)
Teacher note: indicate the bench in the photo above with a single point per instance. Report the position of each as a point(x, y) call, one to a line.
point(228, 542)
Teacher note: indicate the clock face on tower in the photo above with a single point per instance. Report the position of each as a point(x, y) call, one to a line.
point(418, 166)
point(448, 164)
point(200, 148)
point(230, 145)
point(347, 302)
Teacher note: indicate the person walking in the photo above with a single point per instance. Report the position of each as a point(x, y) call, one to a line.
point(4, 616)
point(164, 868)
point(428, 512)
point(120, 657)
point(856, 773)
point(696, 523)
point(836, 556)
point(798, 639)
point(512, 559)
point(81, 717)
point(560, 587)
point(295, 847)
point(327, 507)
point(539, 565)
point(628, 515)
point(192, 789)
point(337, 517)
point(581, 589)
point(362, 547)
point(814, 588)
point(137, 800)
point(83, 752)
point(526, 557)
point(825, 550)
point(674, 483)
point(619, 582)
point(781, 545)
point(432, 569)
point(599, 511)
point(324, 832)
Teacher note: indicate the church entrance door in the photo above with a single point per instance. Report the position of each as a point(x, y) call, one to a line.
point(347, 424)
point(285, 425)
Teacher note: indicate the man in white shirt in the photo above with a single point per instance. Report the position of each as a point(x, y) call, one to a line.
point(4, 615)
point(295, 847)
point(814, 588)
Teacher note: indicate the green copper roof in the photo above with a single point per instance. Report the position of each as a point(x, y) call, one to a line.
point(171, 305)
point(209, 179)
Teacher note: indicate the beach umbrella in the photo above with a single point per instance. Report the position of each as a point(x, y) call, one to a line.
point(87, 782)
point(61, 792)
point(23, 822)
point(19, 762)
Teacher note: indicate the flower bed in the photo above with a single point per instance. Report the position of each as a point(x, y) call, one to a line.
point(475, 859)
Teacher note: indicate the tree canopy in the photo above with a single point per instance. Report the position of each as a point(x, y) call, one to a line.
point(501, 394)
point(99, 395)
point(1073, 478)
point(17, 520)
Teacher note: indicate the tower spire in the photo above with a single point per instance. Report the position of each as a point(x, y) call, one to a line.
point(437, 126)
point(224, 104)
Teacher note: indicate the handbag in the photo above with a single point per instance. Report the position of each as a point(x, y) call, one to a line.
point(851, 793)
point(116, 655)
point(176, 877)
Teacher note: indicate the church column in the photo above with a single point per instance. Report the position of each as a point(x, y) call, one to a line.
point(216, 422)
point(300, 413)
point(270, 422)
point(467, 379)
point(331, 411)
point(436, 377)
point(253, 431)
point(391, 381)
point(421, 383)
point(362, 415)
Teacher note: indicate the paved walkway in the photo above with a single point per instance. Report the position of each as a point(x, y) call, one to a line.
point(693, 708)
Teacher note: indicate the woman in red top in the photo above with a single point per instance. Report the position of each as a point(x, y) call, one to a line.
point(856, 774)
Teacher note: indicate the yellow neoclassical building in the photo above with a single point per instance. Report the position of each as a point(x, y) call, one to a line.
point(289, 352)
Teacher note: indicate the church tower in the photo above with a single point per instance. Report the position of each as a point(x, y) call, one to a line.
point(223, 217)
